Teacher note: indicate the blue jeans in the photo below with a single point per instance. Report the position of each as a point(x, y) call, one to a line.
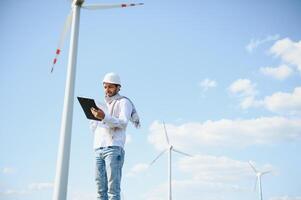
point(109, 162)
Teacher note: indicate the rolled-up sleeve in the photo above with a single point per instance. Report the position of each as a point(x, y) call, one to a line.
point(124, 116)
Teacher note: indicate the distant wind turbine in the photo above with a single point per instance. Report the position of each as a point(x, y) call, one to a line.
point(170, 148)
point(62, 168)
point(258, 179)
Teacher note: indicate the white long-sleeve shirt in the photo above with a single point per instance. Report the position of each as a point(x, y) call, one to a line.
point(111, 131)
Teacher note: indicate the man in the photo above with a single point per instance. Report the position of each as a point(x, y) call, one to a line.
point(109, 137)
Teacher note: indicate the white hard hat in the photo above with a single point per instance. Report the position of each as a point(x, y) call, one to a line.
point(112, 78)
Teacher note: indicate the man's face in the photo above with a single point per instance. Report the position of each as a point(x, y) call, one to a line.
point(110, 89)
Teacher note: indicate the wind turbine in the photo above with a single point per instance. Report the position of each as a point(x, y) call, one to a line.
point(62, 168)
point(169, 148)
point(258, 179)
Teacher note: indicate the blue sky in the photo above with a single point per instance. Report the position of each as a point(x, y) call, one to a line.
point(223, 75)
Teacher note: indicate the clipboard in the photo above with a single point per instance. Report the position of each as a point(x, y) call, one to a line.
point(86, 105)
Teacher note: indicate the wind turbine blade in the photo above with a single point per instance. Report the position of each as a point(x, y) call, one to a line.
point(252, 166)
point(166, 136)
point(64, 32)
point(158, 157)
point(109, 6)
point(180, 152)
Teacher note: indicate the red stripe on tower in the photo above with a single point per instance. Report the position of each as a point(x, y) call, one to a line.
point(54, 61)
point(58, 51)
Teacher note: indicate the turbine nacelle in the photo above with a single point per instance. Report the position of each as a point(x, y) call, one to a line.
point(78, 2)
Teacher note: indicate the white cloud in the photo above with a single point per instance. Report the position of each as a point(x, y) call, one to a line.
point(281, 102)
point(36, 187)
point(157, 193)
point(197, 188)
point(79, 195)
point(221, 169)
point(138, 168)
point(246, 91)
point(31, 188)
point(40, 186)
point(207, 84)
point(8, 170)
point(243, 87)
point(281, 73)
point(285, 198)
point(288, 50)
point(212, 177)
point(254, 43)
point(226, 132)
point(11, 192)
point(250, 101)
point(216, 169)
point(290, 54)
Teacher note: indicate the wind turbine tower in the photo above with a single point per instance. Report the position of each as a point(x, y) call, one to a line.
point(258, 179)
point(169, 150)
